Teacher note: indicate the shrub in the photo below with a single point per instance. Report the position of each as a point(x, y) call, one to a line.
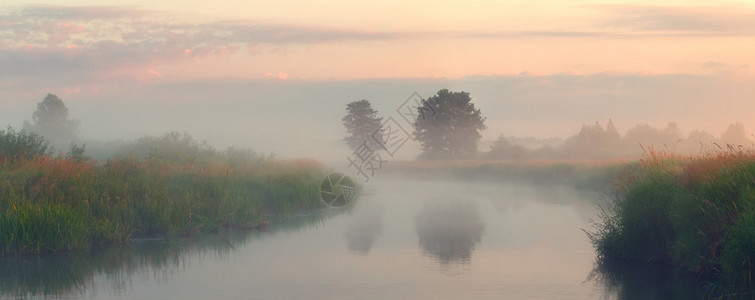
point(22, 145)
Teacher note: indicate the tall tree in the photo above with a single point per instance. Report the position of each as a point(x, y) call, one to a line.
point(50, 120)
point(361, 122)
point(455, 128)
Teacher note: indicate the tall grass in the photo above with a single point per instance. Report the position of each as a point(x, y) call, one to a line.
point(61, 203)
point(696, 213)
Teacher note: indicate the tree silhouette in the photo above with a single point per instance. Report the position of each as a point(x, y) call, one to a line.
point(503, 149)
point(50, 120)
point(455, 128)
point(361, 121)
point(735, 135)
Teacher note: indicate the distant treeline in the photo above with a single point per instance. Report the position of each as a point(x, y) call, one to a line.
point(595, 141)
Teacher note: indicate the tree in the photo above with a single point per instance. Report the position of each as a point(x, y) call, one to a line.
point(735, 135)
point(50, 120)
point(361, 122)
point(593, 141)
point(455, 128)
point(503, 149)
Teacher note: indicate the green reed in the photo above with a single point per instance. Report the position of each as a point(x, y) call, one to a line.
point(64, 203)
point(696, 213)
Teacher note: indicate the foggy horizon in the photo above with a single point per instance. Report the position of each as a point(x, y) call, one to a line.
point(226, 75)
point(515, 106)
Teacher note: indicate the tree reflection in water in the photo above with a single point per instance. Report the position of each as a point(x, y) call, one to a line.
point(449, 229)
point(364, 227)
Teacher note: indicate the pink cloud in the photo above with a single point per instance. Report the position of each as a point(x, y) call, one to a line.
point(70, 91)
point(282, 75)
point(221, 53)
point(154, 72)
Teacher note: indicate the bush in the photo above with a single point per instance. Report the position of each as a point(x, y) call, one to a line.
point(16, 145)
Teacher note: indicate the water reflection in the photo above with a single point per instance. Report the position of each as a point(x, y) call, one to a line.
point(364, 227)
point(312, 220)
point(449, 229)
point(623, 280)
point(71, 275)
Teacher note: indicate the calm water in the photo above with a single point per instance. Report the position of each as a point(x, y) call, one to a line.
point(401, 240)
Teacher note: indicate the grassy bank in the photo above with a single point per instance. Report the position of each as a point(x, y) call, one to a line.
point(696, 213)
point(64, 202)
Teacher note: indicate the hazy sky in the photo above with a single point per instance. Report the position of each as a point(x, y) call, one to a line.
point(276, 75)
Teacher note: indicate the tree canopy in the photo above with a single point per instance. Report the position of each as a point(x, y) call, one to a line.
point(50, 120)
point(455, 128)
point(503, 149)
point(361, 121)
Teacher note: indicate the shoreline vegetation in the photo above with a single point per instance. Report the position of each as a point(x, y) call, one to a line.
point(67, 201)
point(692, 213)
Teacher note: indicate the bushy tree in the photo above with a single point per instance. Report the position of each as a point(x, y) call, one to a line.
point(361, 122)
point(648, 136)
point(455, 128)
point(51, 121)
point(172, 147)
point(592, 141)
point(22, 145)
point(736, 135)
point(503, 149)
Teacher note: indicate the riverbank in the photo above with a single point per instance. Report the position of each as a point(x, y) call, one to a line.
point(695, 213)
point(51, 203)
point(54, 204)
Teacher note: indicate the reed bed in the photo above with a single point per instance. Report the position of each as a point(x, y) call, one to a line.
point(56, 203)
point(695, 213)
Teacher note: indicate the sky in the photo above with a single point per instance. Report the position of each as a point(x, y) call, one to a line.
point(276, 75)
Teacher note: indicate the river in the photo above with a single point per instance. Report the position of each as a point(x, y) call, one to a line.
point(402, 239)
